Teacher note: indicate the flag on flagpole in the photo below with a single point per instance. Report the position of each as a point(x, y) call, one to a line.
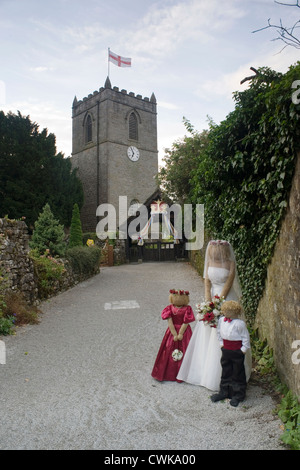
point(118, 60)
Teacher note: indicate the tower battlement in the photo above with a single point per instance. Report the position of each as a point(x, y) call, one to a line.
point(98, 94)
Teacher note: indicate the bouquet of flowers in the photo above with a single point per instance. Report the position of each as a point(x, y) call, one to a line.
point(209, 312)
point(177, 355)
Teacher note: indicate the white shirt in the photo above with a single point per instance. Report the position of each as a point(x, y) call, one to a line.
point(236, 330)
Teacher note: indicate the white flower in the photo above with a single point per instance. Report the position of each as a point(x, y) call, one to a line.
point(177, 355)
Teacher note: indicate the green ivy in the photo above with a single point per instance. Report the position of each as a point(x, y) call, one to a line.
point(289, 413)
point(6, 322)
point(244, 177)
point(288, 409)
point(7, 325)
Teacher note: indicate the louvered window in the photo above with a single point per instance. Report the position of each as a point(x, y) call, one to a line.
point(133, 127)
point(88, 129)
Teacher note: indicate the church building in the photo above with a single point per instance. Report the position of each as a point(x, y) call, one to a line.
point(114, 147)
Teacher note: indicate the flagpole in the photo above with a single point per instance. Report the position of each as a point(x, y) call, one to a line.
point(108, 62)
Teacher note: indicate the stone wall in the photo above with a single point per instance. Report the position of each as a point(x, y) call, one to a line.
point(15, 264)
point(278, 315)
point(17, 267)
point(119, 252)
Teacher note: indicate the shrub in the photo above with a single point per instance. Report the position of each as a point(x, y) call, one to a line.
point(89, 236)
point(76, 230)
point(6, 325)
point(289, 413)
point(49, 272)
point(17, 307)
point(84, 260)
point(288, 410)
point(48, 234)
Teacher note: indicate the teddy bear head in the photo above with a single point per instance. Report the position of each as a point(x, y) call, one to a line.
point(231, 309)
point(179, 297)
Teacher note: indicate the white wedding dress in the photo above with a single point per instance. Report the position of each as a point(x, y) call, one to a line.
point(201, 363)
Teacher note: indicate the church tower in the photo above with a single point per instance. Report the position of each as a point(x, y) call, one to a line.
point(114, 147)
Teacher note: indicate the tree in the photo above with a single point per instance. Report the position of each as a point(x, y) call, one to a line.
point(76, 230)
point(285, 34)
point(32, 174)
point(48, 234)
point(175, 177)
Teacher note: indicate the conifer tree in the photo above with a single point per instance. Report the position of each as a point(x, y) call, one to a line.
point(48, 234)
point(32, 173)
point(76, 230)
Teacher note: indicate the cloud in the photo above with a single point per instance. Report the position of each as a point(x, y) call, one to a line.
point(87, 38)
point(227, 83)
point(41, 69)
point(166, 105)
point(163, 28)
point(223, 86)
point(2, 93)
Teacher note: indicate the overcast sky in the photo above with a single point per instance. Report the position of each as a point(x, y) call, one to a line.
point(191, 53)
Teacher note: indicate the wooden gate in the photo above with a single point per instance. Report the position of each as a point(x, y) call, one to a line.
point(157, 251)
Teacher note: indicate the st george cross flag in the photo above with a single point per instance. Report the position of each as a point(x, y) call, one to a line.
point(118, 60)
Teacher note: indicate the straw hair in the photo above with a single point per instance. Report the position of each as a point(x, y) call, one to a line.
point(179, 300)
point(230, 307)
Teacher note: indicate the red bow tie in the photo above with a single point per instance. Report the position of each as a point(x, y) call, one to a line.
point(228, 319)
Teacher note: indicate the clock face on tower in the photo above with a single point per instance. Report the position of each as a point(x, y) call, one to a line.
point(133, 153)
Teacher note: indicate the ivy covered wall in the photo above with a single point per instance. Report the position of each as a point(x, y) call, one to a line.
point(244, 176)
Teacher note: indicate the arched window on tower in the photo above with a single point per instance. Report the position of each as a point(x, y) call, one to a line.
point(133, 127)
point(88, 129)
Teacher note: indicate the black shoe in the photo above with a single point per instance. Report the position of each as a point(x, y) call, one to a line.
point(217, 397)
point(234, 401)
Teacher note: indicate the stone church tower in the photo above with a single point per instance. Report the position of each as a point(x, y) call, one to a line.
point(114, 141)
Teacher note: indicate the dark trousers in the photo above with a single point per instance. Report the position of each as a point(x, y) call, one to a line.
point(233, 379)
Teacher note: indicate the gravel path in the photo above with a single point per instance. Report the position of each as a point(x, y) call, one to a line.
point(81, 378)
